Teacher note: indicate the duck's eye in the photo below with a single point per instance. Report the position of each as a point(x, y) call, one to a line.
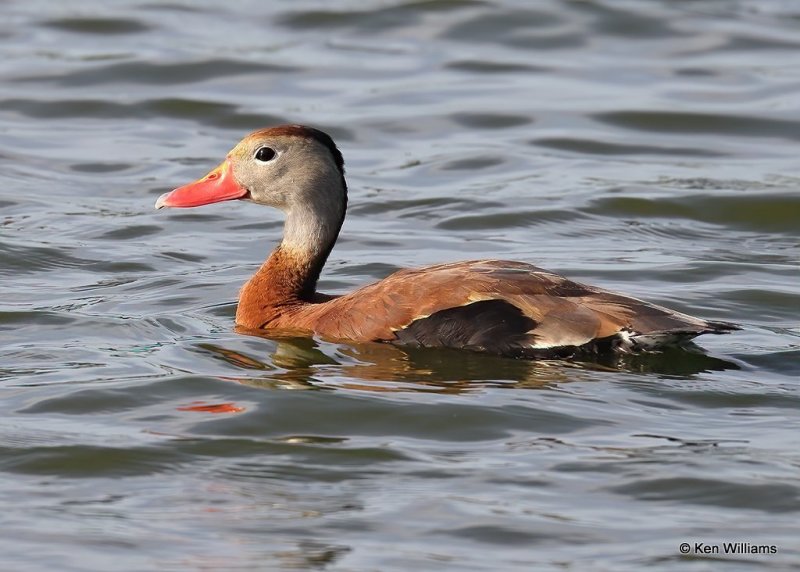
point(265, 154)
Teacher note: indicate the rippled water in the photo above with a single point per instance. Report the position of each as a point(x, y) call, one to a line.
point(650, 147)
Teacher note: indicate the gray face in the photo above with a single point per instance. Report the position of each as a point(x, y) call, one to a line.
point(287, 172)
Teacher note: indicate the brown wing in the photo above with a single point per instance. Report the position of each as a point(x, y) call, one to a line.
point(493, 305)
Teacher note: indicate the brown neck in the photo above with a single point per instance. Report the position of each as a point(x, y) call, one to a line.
point(286, 280)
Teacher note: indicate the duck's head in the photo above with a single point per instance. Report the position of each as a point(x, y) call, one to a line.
point(290, 167)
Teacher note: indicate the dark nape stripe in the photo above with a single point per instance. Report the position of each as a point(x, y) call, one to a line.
point(326, 140)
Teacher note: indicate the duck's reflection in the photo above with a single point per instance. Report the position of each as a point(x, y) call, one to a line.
point(307, 363)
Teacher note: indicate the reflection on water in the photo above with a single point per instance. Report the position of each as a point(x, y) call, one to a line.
point(305, 363)
point(300, 363)
point(650, 148)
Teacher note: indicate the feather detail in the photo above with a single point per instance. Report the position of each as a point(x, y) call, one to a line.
point(495, 306)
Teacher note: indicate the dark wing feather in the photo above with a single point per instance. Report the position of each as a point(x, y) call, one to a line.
point(494, 326)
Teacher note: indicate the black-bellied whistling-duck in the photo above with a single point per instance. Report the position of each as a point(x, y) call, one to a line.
point(496, 306)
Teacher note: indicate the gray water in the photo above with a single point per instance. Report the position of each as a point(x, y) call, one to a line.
point(648, 147)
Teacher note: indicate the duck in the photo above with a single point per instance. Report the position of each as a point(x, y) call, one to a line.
point(501, 307)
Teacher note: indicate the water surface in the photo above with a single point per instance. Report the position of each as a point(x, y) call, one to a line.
point(646, 147)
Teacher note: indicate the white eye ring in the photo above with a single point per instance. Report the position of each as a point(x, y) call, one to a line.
point(265, 154)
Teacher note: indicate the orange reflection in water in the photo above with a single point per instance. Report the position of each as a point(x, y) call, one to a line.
point(212, 407)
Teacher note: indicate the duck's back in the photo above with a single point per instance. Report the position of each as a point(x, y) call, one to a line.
point(502, 307)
